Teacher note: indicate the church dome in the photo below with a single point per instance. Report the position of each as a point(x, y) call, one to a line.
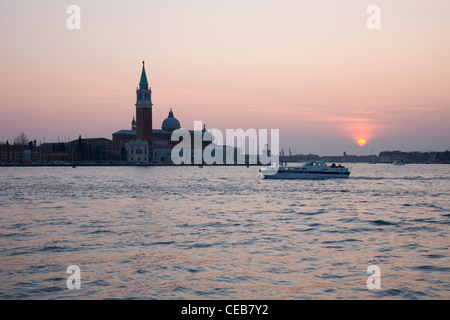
point(170, 123)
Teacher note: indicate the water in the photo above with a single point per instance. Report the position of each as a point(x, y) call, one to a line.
point(224, 233)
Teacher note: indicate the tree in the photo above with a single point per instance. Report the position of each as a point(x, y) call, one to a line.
point(21, 139)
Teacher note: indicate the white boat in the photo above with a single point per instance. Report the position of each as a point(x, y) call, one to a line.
point(399, 162)
point(308, 170)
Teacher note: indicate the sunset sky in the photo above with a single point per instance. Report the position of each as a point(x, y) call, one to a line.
point(311, 69)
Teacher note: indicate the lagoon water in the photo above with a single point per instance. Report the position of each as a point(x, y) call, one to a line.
point(224, 233)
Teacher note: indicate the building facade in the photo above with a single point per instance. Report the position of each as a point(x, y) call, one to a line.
point(138, 151)
point(19, 153)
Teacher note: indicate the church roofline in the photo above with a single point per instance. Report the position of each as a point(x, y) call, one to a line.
point(124, 131)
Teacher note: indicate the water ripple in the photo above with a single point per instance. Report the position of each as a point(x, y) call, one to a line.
point(224, 233)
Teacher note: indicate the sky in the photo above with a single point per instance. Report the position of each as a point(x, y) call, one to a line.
point(310, 68)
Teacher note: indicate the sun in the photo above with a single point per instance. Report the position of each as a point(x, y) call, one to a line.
point(361, 142)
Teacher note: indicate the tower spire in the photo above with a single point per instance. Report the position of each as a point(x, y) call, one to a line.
point(133, 124)
point(143, 83)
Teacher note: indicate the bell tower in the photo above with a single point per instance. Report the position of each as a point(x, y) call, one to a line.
point(144, 105)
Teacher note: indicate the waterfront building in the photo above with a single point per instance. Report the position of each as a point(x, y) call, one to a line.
point(159, 145)
point(138, 151)
point(14, 153)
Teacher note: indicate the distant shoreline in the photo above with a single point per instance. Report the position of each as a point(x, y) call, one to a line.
point(28, 165)
point(120, 165)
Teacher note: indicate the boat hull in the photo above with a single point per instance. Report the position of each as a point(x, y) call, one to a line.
point(307, 175)
point(308, 170)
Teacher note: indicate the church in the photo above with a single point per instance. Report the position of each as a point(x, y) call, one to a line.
point(142, 143)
